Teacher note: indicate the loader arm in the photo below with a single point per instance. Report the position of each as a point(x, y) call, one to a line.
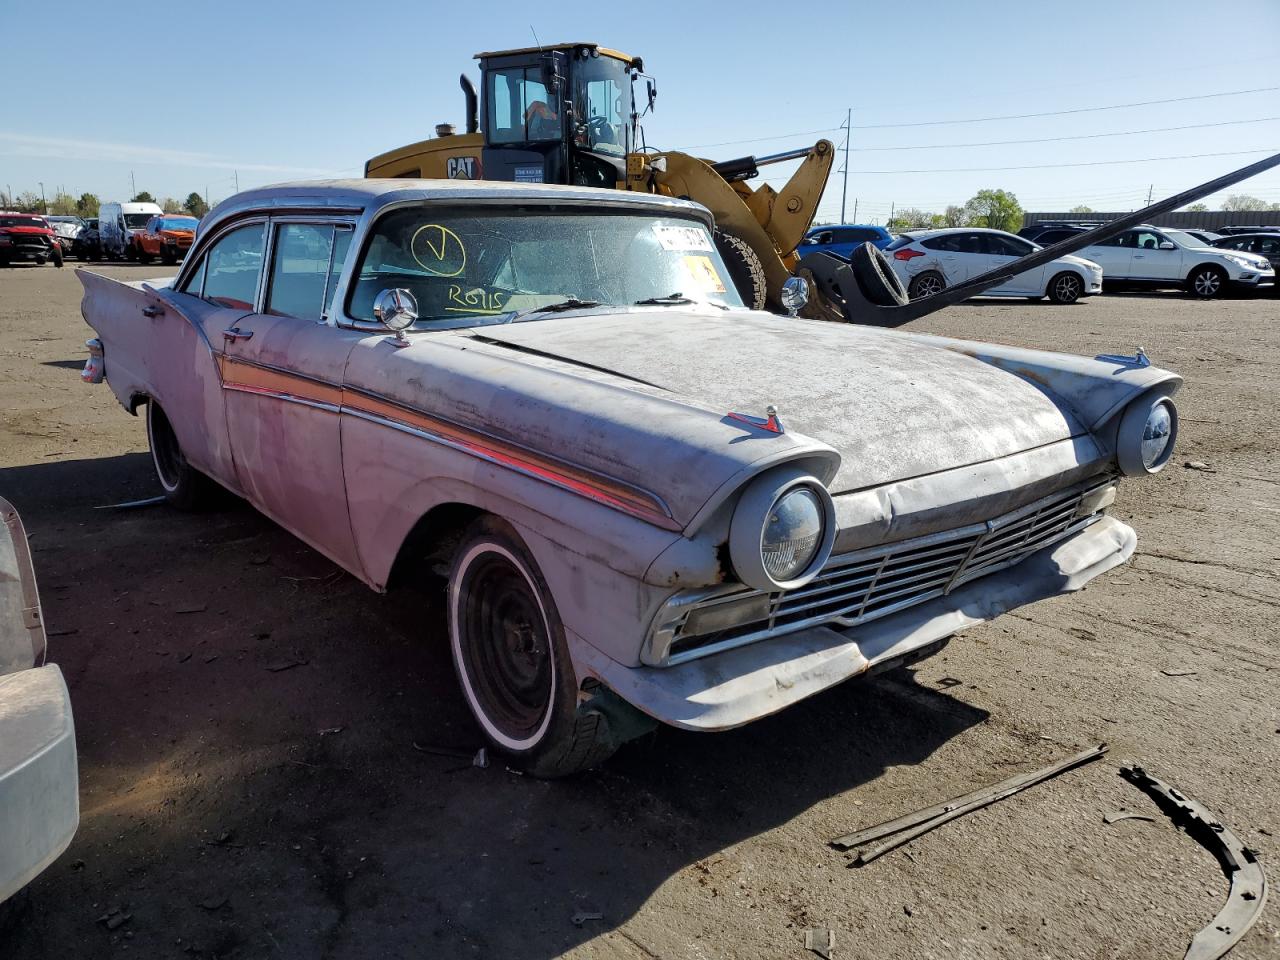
point(771, 222)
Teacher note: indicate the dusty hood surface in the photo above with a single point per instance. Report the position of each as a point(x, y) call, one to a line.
point(893, 407)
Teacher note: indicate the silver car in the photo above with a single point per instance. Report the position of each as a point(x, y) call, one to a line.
point(650, 504)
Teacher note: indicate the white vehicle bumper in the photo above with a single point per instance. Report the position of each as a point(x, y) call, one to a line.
point(39, 779)
point(726, 690)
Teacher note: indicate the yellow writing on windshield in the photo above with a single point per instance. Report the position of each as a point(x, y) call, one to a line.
point(476, 300)
point(703, 273)
point(438, 250)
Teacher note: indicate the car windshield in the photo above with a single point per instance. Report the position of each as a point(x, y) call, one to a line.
point(22, 222)
point(178, 223)
point(137, 221)
point(463, 265)
point(1184, 239)
point(65, 220)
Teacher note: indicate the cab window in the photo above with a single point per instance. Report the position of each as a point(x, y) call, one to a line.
point(232, 266)
point(521, 109)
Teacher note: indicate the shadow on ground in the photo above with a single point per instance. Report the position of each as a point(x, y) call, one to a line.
point(249, 722)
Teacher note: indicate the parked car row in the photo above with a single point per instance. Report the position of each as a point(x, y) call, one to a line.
point(1202, 263)
point(129, 231)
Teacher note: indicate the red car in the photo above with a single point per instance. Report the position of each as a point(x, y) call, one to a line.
point(27, 236)
point(167, 236)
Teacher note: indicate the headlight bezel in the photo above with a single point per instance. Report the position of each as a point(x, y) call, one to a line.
point(1132, 431)
point(751, 515)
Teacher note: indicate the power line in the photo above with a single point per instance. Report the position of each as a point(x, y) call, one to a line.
point(1091, 163)
point(1082, 136)
point(776, 136)
point(1060, 113)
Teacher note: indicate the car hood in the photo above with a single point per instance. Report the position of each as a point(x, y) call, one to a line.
point(178, 234)
point(893, 407)
point(27, 231)
point(1078, 261)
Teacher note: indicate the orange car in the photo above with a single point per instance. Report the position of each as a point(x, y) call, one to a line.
point(167, 237)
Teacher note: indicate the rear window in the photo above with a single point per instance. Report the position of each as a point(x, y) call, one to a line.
point(22, 222)
point(901, 241)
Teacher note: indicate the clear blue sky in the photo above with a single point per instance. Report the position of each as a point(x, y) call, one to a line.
point(186, 94)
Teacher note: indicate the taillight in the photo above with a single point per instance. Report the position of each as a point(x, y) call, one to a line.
point(906, 253)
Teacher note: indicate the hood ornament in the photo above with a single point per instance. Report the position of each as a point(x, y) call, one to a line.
point(1139, 359)
point(769, 422)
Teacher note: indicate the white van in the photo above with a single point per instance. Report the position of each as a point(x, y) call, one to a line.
point(118, 222)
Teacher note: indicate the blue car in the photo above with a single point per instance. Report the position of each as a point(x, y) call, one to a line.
point(841, 239)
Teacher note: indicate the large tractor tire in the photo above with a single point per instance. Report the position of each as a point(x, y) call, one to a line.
point(875, 276)
point(745, 269)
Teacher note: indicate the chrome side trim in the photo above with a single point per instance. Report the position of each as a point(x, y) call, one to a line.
point(287, 397)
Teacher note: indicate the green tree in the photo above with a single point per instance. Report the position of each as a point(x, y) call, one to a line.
point(910, 219)
point(1080, 208)
point(954, 217)
point(87, 205)
point(170, 205)
point(997, 209)
point(28, 202)
point(195, 205)
point(143, 197)
point(1197, 208)
point(62, 204)
point(1243, 202)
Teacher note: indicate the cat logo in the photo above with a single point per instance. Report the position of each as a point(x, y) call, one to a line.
point(463, 168)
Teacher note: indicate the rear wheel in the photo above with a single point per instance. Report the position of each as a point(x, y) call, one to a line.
point(512, 660)
point(745, 269)
point(143, 256)
point(1065, 288)
point(184, 486)
point(1206, 281)
point(926, 285)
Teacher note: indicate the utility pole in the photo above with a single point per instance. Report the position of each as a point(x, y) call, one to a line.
point(1149, 189)
point(134, 184)
point(855, 209)
point(237, 173)
point(844, 194)
point(892, 204)
point(44, 204)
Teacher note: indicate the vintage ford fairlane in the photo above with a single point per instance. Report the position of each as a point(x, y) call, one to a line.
point(652, 504)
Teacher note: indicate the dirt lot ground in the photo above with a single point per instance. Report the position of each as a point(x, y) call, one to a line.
point(235, 809)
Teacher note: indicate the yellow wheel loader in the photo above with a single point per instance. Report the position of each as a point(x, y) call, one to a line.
point(569, 114)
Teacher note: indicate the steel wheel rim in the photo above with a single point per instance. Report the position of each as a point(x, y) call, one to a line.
point(1207, 283)
point(165, 452)
point(504, 645)
point(1067, 288)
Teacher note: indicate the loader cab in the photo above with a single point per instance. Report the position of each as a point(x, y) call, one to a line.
point(563, 114)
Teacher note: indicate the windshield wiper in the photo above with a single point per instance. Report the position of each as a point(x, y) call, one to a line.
point(670, 298)
point(573, 303)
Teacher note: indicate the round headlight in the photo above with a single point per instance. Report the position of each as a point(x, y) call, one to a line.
point(1146, 437)
point(782, 531)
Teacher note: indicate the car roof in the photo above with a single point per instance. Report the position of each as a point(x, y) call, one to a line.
point(357, 195)
point(919, 234)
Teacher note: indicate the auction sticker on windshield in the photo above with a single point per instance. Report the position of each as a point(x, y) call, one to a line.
point(704, 274)
point(682, 238)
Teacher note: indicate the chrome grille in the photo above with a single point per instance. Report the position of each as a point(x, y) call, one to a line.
point(861, 586)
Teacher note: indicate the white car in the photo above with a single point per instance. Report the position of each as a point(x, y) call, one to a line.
point(929, 261)
point(39, 781)
point(1155, 257)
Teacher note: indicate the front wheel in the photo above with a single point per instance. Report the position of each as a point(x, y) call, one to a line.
point(1206, 282)
point(745, 269)
point(512, 660)
point(143, 256)
point(168, 258)
point(1065, 288)
point(184, 486)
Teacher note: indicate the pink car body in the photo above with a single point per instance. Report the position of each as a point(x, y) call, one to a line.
point(624, 445)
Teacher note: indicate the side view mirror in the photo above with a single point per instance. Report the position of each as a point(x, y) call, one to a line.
point(794, 295)
point(1168, 245)
point(396, 309)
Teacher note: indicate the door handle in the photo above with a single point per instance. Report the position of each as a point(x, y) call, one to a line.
point(152, 311)
point(1139, 256)
point(235, 333)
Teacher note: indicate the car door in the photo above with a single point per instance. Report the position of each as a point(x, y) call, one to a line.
point(1114, 255)
point(1151, 262)
point(282, 367)
point(1003, 250)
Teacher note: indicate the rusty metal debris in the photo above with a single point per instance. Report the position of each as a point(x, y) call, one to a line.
point(1248, 885)
point(821, 941)
point(582, 916)
point(131, 504)
point(1119, 815)
point(913, 825)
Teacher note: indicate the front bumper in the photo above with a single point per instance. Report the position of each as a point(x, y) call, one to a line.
point(1252, 280)
point(737, 686)
point(39, 779)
